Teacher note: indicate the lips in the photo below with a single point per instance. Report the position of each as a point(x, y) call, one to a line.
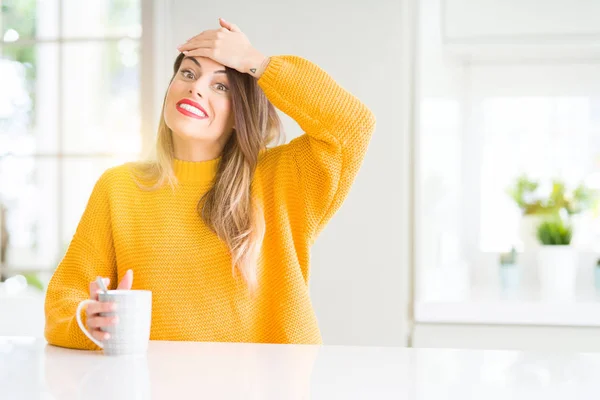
point(191, 109)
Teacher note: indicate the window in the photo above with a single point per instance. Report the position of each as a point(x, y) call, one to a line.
point(496, 123)
point(69, 109)
point(440, 183)
point(543, 137)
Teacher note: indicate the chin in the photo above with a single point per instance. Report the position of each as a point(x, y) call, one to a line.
point(189, 134)
point(187, 129)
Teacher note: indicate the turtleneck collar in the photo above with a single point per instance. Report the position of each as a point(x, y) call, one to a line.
point(196, 171)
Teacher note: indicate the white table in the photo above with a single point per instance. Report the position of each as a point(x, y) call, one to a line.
point(31, 369)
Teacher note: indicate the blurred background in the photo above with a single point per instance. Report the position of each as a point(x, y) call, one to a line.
point(507, 172)
point(69, 109)
point(475, 220)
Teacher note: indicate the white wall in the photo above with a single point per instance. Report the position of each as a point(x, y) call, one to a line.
point(525, 20)
point(359, 264)
point(521, 29)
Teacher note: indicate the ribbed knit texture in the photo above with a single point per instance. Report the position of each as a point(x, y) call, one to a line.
point(160, 236)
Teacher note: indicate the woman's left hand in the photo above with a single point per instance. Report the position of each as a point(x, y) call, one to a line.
point(228, 46)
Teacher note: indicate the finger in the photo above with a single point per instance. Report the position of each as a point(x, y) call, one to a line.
point(100, 307)
point(94, 289)
point(200, 53)
point(229, 25)
point(127, 281)
point(196, 43)
point(208, 34)
point(99, 335)
point(203, 33)
point(101, 322)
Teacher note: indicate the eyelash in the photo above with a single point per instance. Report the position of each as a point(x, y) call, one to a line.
point(187, 72)
point(225, 87)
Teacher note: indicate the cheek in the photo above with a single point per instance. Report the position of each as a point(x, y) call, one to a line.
point(224, 111)
point(175, 91)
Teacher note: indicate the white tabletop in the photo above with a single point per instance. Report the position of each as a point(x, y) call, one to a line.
point(31, 369)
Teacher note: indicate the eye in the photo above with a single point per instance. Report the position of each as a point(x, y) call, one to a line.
point(222, 87)
point(188, 74)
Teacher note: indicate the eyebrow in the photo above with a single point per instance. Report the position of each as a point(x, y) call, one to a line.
point(221, 71)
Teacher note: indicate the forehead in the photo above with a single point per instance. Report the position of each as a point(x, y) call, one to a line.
point(203, 62)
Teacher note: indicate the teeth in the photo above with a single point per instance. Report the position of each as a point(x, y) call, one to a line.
point(192, 109)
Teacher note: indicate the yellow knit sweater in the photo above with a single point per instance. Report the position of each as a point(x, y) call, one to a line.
point(160, 236)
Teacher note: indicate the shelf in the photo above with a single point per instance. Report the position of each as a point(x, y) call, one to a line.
point(492, 305)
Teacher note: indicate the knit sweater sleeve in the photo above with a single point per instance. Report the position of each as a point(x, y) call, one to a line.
point(90, 254)
point(337, 126)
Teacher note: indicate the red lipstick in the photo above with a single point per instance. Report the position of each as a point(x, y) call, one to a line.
point(190, 112)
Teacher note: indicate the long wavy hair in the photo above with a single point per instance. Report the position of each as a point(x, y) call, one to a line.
point(228, 208)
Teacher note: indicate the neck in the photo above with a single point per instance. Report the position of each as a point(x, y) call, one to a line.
point(197, 150)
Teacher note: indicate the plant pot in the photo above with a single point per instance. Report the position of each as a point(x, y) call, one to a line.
point(509, 276)
point(528, 231)
point(557, 271)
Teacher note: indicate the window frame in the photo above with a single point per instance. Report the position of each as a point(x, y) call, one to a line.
point(149, 72)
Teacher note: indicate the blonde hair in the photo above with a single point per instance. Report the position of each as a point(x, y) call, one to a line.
point(228, 208)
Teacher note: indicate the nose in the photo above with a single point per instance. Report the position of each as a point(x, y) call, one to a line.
point(200, 87)
point(196, 92)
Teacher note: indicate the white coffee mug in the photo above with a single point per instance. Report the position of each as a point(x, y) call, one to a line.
point(131, 334)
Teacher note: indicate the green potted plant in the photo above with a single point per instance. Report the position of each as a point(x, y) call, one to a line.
point(525, 193)
point(536, 207)
point(556, 259)
point(3, 240)
point(579, 200)
point(509, 272)
point(597, 274)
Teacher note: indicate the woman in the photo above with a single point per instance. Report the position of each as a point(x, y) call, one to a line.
point(215, 199)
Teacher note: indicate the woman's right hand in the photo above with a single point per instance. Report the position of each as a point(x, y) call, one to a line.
point(94, 320)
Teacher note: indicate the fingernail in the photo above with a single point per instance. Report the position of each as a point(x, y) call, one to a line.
point(106, 336)
point(115, 320)
point(113, 307)
point(181, 45)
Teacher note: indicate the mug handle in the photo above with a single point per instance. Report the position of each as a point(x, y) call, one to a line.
point(82, 326)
